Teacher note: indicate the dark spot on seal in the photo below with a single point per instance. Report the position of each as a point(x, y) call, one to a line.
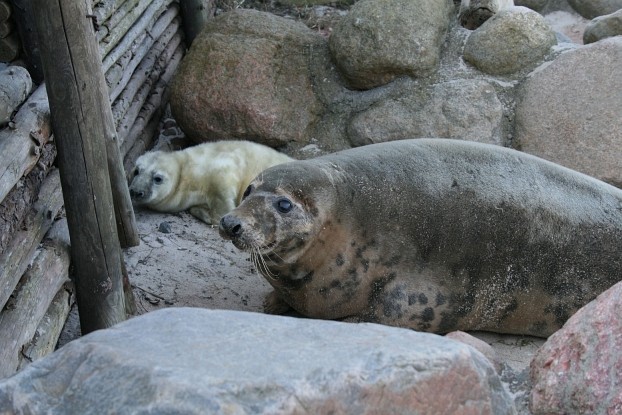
point(428, 314)
point(353, 243)
point(339, 260)
point(412, 299)
point(560, 312)
point(455, 183)
point(540, 327)
point(296, 284)
point(335, 284)
point(365, 264)
point(423, 299)
point(393, 261)
point(392, 309)
point(440, 299)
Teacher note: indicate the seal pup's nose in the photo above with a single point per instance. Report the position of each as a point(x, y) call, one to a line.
point(230, 227)
point(136, 195)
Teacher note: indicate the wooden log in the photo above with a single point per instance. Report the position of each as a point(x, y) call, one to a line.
point(15, 86)
point(117, 17)
point(6, 28)
point(48, 332)
point(23, 17)
point(15, 206)
point(9, 48)
point(51, 326)
point(5, 10)
point(139, 98)
point(20, 145)
point(116, 71)
point(37, 288)
point(195, 14)
point(142, 139)
point(158, 36)
point(106, 8)
point(151, 111)
point(130, 27)
point(74, 80)
point(147, 72)
point(18, 254)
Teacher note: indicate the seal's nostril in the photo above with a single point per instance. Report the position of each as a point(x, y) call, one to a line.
point(230, 226)
point(236, 230)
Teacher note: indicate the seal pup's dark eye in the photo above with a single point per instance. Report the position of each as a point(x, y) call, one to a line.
point(136, 172)
point(247, 192)
point(158, 179)
point(283, 205)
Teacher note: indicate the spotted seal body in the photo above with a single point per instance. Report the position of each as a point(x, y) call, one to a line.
point(435, 235)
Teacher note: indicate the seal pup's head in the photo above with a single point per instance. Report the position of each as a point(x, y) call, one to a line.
point(280, 212)
point(155, 177)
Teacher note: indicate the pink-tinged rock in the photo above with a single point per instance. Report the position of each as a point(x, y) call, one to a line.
point(479, 345)
point(579, 369)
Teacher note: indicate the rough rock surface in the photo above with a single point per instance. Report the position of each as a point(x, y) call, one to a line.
point(569, 111)
point(536, 5)
point(603, 27)
point(380, 40)
point(246, 76)
point(594, 8)
point(511, 40)
point(466, 109)
point(479, 345)
point(198, 361)
point(579, 368)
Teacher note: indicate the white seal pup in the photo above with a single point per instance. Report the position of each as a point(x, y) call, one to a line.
point(207, 179)
point(432, 234)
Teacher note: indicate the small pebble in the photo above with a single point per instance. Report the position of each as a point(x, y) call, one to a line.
point(165, 227)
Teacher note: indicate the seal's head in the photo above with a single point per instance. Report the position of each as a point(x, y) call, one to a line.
point(155, 177)
point(280, 212)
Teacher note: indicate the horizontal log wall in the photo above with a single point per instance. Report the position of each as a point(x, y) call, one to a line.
point(141, 44)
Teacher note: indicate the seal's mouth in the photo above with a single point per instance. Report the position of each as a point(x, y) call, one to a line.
point(244, 245)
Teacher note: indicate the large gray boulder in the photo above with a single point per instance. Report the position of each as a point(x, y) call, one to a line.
point(579, 368)
point(603, 27)
point(247, 76)
point(380, 40)
point(511, 40)
point(197, 361)
point(594, 8)
point(569, 111)
point(463, 109)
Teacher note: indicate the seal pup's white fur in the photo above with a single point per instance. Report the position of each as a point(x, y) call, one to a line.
point(208, 179)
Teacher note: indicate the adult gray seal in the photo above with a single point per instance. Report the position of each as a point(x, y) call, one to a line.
point(433, 234)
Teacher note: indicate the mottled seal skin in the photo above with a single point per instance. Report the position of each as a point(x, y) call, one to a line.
point(433, 234)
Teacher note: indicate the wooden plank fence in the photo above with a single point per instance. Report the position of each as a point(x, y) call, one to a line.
point(140, 45)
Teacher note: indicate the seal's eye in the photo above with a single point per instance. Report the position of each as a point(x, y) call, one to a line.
point(136, 172)
point(283, 205)
point(158, 179)
point(247, 192)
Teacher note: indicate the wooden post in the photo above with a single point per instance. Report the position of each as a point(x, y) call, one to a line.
point(72, 68)
point(195, 14)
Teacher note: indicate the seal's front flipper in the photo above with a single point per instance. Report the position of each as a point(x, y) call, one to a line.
point(202, 212)
point(273, 304)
